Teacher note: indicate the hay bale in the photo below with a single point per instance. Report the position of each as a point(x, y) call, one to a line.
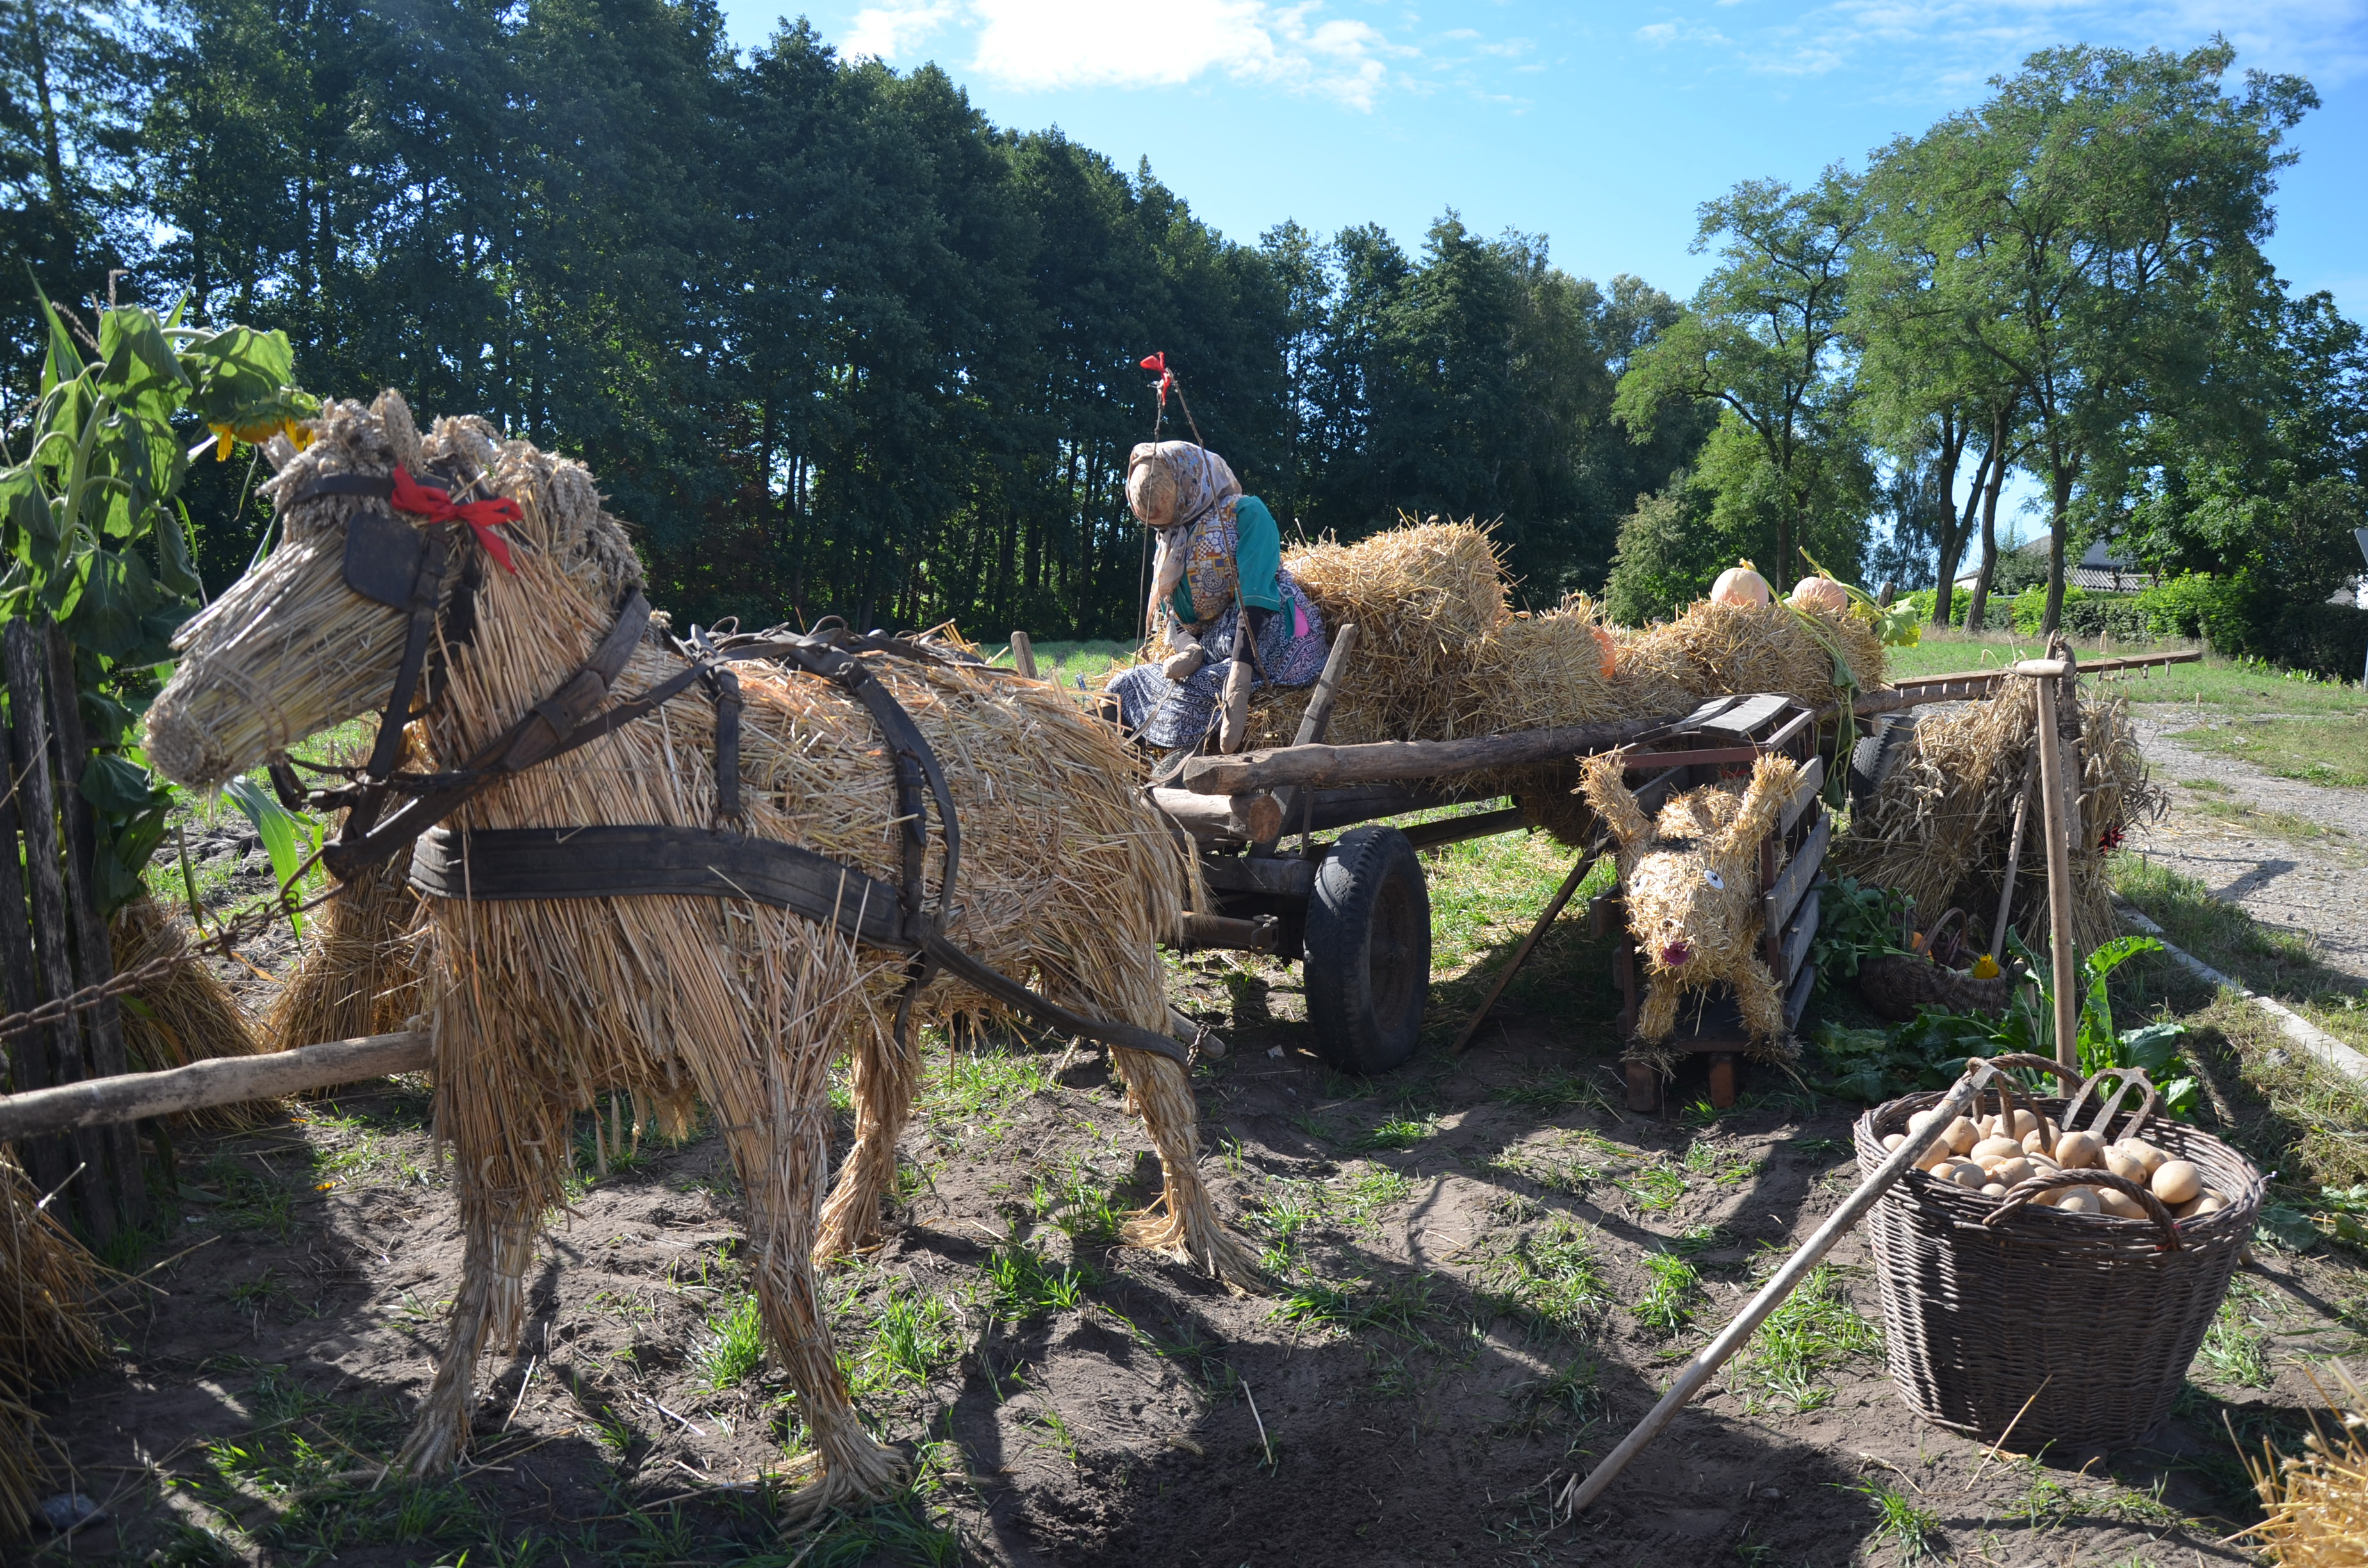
point(189, 1015)
point(2317, 1501)
point(1423, 597)
point(1716, 650)
point(1940, 826)
point(45, 1333)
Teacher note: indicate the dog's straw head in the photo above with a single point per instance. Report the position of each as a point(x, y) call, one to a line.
point(291, 650)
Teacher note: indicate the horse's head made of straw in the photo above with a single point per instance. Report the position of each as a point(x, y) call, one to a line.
point(289, 650)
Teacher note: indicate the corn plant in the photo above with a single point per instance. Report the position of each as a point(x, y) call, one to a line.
point(95, 539)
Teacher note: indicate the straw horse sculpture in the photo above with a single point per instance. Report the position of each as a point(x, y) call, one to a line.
point(536, 1005)
point(1692, 882)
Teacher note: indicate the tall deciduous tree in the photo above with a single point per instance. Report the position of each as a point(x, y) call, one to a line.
point(1764, 337)
point(2095, 223)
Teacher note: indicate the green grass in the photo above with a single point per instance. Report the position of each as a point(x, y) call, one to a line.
point(2304, 832)
point(2236, 1349)
point(1551, 1279)
point(1790, 1358)
point(1899, 1520)
point(983, 1087)
point(911, 1336)
point(1555, 1091)
point(1669, 1300)
point(1397, 1132)
point(1025, 1285)
point(1081, 1203)
point(1399, 1306)
point(2318, 750)
point(731, 1349)
point(1654, 1190)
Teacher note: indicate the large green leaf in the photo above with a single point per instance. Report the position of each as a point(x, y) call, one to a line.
point(63, 361)
point(279, 831)
point(117, 591)
point(142, 371)
point(116, 785)
point(176, 569)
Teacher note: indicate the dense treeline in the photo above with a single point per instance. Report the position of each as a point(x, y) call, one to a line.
point(834, 342)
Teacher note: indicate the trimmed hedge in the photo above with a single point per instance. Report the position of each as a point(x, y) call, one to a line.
point(2238, 618)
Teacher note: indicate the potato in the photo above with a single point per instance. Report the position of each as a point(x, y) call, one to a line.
point(2120, 1203)
point(1968, 1175)
point(2145, 1153)
point(2037, 1143)
point(1922, 1120)
point(2078, 1151)
point(1998, 1149)
point(2042, 1164)
point(1993, 1189)
point(2010, 1171)
point(1933, 1159)
point(2127, 1167)
point(1893, 1142)
point(1962, 1136)
point(2177, 1181)
point(2210, 1202)
point(2079, 1199)
point(2025, 1124)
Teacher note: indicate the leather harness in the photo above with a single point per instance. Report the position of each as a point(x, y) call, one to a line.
point(404, 566)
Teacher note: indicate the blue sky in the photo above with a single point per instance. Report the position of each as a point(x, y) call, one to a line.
point(1599, 127)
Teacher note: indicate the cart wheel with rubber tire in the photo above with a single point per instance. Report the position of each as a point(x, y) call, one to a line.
point(1367, 966)
point(1874, 756)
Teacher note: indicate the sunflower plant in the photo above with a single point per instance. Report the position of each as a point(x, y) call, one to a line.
point(94, 536)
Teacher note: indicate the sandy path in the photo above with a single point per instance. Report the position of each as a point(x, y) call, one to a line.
point(2232, 841)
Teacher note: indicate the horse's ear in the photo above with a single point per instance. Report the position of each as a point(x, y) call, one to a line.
point(1606, 789)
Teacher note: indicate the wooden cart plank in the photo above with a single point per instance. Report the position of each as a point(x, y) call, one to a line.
point(1785, 896)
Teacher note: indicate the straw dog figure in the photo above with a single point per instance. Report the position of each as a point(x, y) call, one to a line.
point(1692, 882)
point(538, 1006)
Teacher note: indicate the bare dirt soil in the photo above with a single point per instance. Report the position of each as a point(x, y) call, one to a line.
point(1484, 1272)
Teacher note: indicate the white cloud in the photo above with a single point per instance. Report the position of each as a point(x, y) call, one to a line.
point(1042, 45)
point(885, 32)
point(1958, 43)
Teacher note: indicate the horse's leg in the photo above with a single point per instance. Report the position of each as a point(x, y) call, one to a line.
point(780, 1161)
point(497, 1245)
point(886, 1078)
point(1658, 1020)
point(1161, 1092)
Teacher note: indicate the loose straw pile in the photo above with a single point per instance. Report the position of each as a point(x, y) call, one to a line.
point(45, 1333)
point(2317, 1500)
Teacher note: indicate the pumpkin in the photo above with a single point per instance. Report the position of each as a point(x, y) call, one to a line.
point(1740, 585)
point(1821, 592)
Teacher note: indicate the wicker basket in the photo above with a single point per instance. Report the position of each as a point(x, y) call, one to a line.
point(2007, 1319)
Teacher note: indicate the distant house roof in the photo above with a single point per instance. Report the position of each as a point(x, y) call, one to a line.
point(2098, 570)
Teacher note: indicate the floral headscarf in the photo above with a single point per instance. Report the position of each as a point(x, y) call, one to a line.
point(1203, 484)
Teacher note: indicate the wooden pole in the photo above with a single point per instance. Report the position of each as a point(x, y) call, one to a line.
point(2013, 865)
point(1384, 761)
point(2046, 674)
point(1731, 1338)
point(1312, 725)
point(1521, 954)
point(220, 1080)
point(1252, 818)
point(1023, 655)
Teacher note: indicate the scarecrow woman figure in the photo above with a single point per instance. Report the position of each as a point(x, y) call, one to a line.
point(1220, 565)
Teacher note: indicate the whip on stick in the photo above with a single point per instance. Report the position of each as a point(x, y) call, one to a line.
point(1579, 1492)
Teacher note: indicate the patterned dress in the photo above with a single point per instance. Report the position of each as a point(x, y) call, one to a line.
point(1233, 559)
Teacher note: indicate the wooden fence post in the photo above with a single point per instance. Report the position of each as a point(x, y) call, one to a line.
point(54, 937)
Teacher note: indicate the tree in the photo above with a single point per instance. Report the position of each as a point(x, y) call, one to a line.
point(2094, 224)
point(1764, 337)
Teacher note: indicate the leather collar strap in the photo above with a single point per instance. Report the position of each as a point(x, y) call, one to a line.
point(565, 720)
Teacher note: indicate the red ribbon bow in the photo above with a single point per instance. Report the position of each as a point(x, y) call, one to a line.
point(438, 506)
point(1166, 377)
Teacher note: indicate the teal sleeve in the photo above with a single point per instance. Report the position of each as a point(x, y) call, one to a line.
point(1257, 554)
point(1181, 604)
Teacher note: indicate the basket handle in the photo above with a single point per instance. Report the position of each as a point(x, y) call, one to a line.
point(2123, 1080)
point(2025, 1192)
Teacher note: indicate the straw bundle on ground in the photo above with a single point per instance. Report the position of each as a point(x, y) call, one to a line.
point(1940, 826)
point(187, 1016)
point(537, 1006)
point(2317, 1500)
point(1421, 595)
point(1715, 649)
point(45, 1333)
